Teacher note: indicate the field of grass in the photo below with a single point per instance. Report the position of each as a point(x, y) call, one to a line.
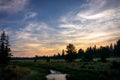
point(29, 70)
point(13, 72)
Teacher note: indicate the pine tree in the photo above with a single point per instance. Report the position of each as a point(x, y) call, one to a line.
point(117, 49)
point(80, 53)
point(4, 49)
point(111, 50)
point(104, 53)
point(63, 52)
point(88, 56)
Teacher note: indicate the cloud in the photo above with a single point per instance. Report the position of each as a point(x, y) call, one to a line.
point(12, 5)
point(30, 15)
point(94, 24)
point(37, 38)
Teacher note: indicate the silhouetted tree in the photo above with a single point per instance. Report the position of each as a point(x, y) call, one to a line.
point(59, 55)
point(48, 59)
point(35, 58)
point(111, 50)
point(5, 54)
point(71, 53)
point(104, 53)
point(117, 49)
point(63, 54)
point(88, 56)
point(80, 53)
point(95, 52)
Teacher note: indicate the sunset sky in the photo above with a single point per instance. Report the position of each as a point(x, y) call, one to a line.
point(45, 27)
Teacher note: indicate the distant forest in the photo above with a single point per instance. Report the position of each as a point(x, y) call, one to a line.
point(108, 51)
point(103, 52)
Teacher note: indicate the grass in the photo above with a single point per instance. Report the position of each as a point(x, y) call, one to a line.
point(13, 72)
point(76, 70)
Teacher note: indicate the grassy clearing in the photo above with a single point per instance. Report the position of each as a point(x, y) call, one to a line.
point(77, 70)
point(13, 72)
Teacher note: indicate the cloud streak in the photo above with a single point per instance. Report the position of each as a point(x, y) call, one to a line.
point(37, 38)
point(30, 15)
point(12, 5)
point(97, 23)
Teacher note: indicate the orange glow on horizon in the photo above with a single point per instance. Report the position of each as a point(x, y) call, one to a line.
point(51, 51)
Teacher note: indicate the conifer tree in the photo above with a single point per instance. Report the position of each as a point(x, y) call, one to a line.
point(4, 49)
point(117, 49)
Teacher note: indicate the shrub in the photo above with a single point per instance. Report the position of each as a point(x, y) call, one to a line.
point(83, 66)
point(115, 65)
point(91, 67)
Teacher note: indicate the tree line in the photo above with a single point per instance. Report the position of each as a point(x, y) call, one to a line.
point(103, 52)
point(70, 54)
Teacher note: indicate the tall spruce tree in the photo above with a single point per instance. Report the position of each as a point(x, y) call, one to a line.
point(80, 53)
point(63, 54)
point(117, 49)
point(88, 56)
point(4, 49)
point(111, 50)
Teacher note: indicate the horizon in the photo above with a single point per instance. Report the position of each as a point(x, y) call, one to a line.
point(46, 27)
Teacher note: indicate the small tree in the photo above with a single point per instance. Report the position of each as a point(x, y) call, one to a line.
point(104, 53)
point(5, 54)
point(111, 49)
point(48, 59)
point(117, 49)
point(88, 56)
point(35, 58)
point(71, 53)
point(63, 54)
point(80, 53)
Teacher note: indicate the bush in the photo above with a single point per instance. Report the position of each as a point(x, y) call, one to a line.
point(115, 65)
point(83, 66)
point(86, 63)
point(13, 73)
point(91, 67)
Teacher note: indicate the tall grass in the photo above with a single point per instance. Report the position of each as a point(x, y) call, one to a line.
point(29, 70)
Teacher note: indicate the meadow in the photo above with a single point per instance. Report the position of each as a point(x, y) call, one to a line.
point(77, 70)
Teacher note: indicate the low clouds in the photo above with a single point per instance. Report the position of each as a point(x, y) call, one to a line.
point(36, 38)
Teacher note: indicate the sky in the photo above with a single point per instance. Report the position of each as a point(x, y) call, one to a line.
point(46, 27)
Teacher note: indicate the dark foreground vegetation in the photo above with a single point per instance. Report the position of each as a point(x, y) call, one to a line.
point(94, 70)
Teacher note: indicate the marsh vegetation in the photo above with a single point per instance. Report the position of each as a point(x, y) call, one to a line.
point(94, 70)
